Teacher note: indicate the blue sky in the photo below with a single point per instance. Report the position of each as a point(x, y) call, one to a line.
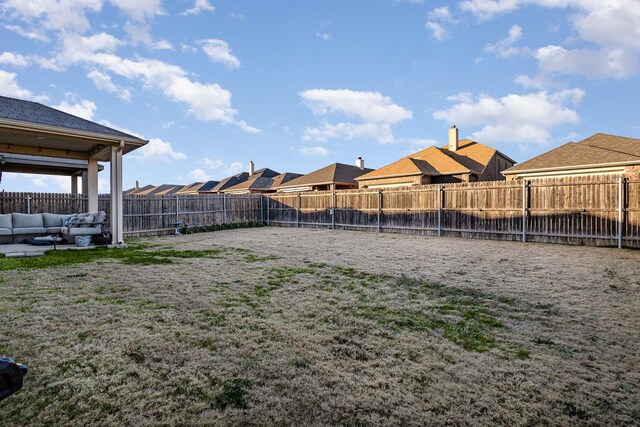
point(297, 85)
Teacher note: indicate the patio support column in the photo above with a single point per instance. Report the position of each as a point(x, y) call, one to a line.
point(74, 184)
point(117, 228)
point(85, 184)
point(92, 185)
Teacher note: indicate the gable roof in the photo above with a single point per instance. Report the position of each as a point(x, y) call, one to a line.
point(228, 182)
point(336, 173)
point(139, 190)
point(260, 180)
point(471, 156)
point(36, 113)
point(207, 186)
point(264, 183)
point(598, 150)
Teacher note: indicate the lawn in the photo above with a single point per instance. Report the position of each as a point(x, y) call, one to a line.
point(283, 326)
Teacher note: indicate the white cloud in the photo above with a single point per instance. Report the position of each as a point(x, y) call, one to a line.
point(9, 87)
point(199, 7)
point(417, 144)
point(515, 118)
point(504, 48)
point(59, 15)
point(103, 82)
point(324, 36)
point(234, 168)
point(14, 59)
point(377, 112)
point(139, 10)
point(313, 151)
point(199, 175)
point(441, 14)
point(35, 34)
point(619, 63)
point(219, 51)
point(212, 163)
point(162, 44)
point(610, 26)
point(369, 106)
point(437, 31)
point(84, 108)
point(157, 151)
point(236, 16)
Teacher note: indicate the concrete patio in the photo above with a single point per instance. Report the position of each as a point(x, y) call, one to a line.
point(23, 250)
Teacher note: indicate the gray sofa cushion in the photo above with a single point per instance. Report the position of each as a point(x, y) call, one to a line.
point(54, 230)
point(5, 221)
point(52, 220)
point(5, 232)
point(29, 230)
point(27, 220)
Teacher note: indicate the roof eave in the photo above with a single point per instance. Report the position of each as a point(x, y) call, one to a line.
point(66, 132)
point(563, 168)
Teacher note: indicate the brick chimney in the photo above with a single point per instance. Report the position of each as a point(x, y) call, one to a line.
point(137, 185)
point(251, 168)
point(360, 163)
point(453, 138)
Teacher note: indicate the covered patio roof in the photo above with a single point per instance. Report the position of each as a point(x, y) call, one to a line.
point(24, 163)
point(32, 129)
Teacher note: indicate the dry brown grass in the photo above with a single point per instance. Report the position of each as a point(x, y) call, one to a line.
point(329, 327)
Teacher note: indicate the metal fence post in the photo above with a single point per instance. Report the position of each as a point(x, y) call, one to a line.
point(620, 210)
point(298, 210)
point(333, 210)
point(379, 209)
point(525, 198)
point(224, 208)
point(28, 203)
point(440, 203)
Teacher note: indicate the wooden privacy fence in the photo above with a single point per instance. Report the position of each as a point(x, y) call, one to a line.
point(597, 210)
point(146, 215)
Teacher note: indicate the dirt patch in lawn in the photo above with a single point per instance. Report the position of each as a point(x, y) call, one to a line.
point(299, 326)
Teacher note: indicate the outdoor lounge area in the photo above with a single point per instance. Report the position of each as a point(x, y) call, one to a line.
point(32, 136)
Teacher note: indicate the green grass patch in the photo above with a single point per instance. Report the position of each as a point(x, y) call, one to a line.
point(234, 394)
point(137, 254)
point(256, 258)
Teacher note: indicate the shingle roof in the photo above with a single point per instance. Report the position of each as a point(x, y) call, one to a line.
point(336, 173)
point(597, 150)
point(260, 180)
point(33, 112)
point(207, 186)
point(141, 189)
point(470, 156)
point(283, 178)
point(228, 182)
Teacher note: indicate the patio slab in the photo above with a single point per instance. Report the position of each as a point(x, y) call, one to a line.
point(22, 250)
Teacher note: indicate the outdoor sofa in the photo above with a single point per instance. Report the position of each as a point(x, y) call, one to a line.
point(15, 227)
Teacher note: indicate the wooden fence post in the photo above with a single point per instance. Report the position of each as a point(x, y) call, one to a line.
point(224, 208)
point(261, 210)
point(525, 207)
point(620, 210)
point(268, 212)
point(28, 203)
point(379, 209)
point(440, 203)
point(298, 210)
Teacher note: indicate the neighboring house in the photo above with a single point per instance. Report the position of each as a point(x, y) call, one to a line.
point(336, 176)
point(596, 155)
point(459, 161)
point(227, 182)
point(260, 184)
